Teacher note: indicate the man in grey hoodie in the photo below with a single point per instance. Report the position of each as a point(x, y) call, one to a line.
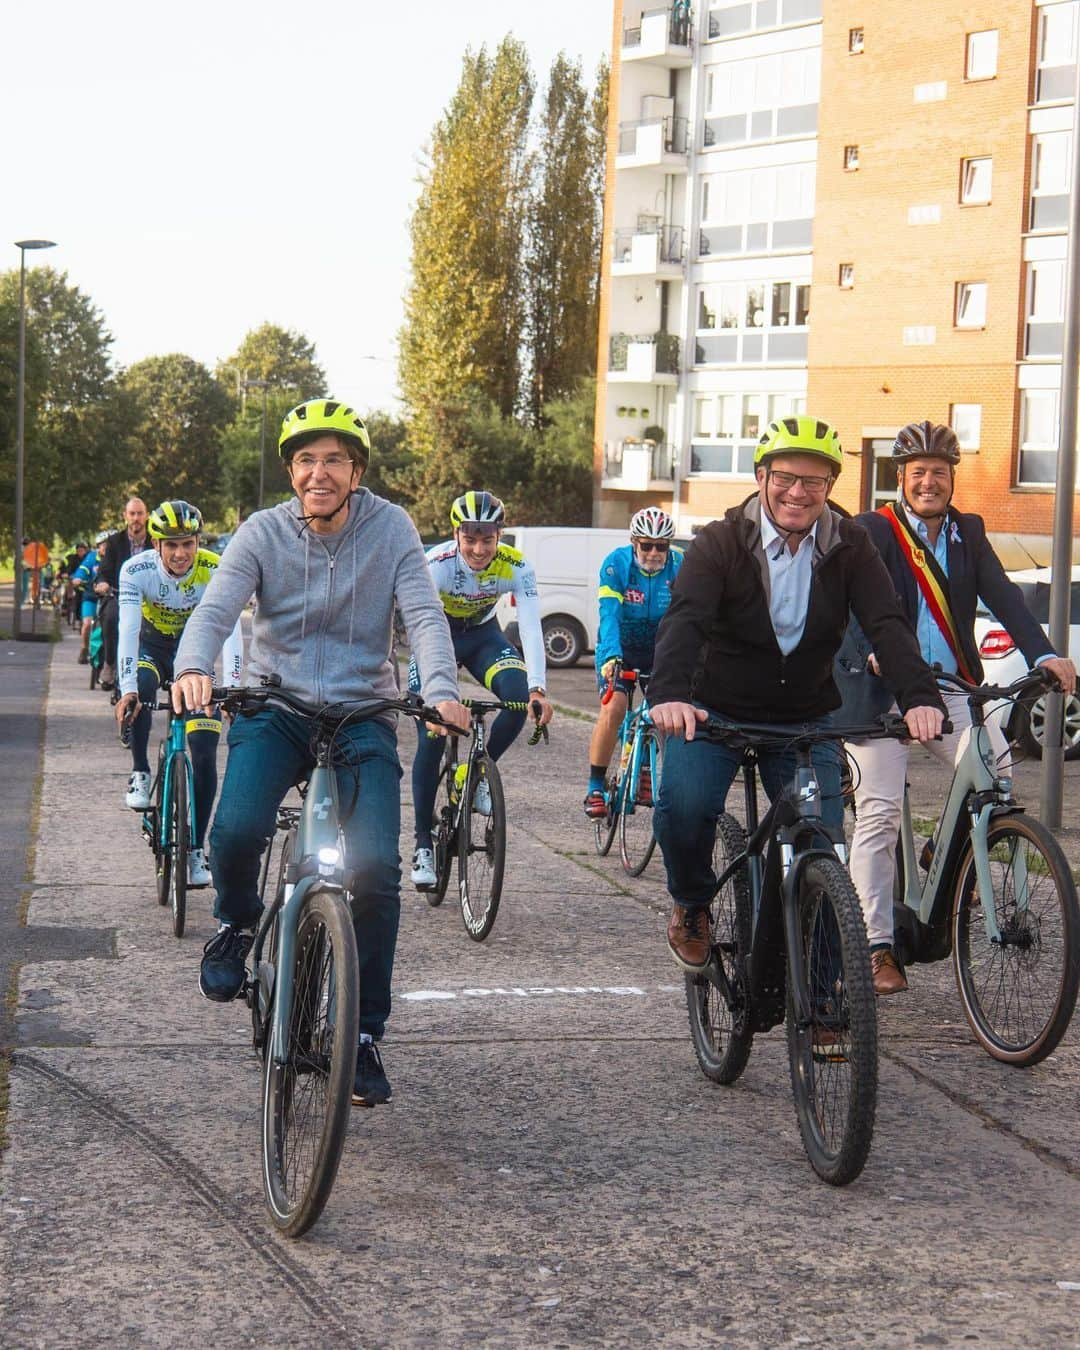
point(327, 570)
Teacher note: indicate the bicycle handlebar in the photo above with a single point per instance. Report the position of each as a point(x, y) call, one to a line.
point(889, 726)
point(1038, 678)
point(249, 698)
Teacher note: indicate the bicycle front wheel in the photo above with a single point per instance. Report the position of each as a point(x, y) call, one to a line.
point(482, 853)
point(442, 832)
point(605, 827)
point(636, 838)
point(722, 1035)
point(833, 1059)
point(306, 1099)
point(1018, 995)
point(162, 863)
point(178, 841)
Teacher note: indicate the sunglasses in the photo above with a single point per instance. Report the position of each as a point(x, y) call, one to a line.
point(652, 545)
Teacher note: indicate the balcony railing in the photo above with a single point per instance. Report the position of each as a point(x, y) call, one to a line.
point(635, 464)
point(666, 356)
point(670, 245)
point(674, 134)
point(680, 21)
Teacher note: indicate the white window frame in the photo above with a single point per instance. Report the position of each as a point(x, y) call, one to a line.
point(851, 158)
point(981, 60)
point(846, 276)
point(856, 41)
point(741, 406)
point(966, 420)
point(1052, 398)
point(972, 304)
point(969, 178)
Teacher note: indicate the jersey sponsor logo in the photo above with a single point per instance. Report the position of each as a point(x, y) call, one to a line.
point(634, 596)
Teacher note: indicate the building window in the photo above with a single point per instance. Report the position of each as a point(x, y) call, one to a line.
point(1050, 180)
point(775, 95)
point(851, 158)
point(971, 304)
point(1055, 56)
point(1045, 325)
point(1038, 437)
point(729, 18)
point(982, 55)
point(756, 322)
point(727, 428)
point(966, 420)
point(846, 279)
point(855, 41)
point(976, 176)
point(757, 210)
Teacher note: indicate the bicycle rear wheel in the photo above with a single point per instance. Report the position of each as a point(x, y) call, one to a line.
point(605, 827)
point(722, 1036)
point(306, 1100)
point(482, 853)
point(636, 838)
point(178, 841)
point(1018, 995)
point(442, 833)
point(834, 1059)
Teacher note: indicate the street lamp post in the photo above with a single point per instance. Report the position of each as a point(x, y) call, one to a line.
point(20, 426)
point(264, 385)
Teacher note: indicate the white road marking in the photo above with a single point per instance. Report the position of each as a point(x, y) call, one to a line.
point(535, 991)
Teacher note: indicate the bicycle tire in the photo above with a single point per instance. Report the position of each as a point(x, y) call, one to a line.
point(994, 981)
point(307, 1100)
point(722, 1037)
point(161, 854)
point(260, 1016)
point(636, 838)
point(606, 827)
point(482, 854)
point(443, 842)
point(835, 1086)
point(178, 844)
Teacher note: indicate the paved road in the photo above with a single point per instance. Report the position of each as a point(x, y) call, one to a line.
point(553, 1169)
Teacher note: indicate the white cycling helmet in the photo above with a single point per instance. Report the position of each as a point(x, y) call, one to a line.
point(652, 523)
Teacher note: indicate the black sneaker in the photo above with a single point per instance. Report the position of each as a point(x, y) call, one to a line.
point(371, 1087)
point(221, 975)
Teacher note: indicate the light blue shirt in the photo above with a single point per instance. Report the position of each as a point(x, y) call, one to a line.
point(932, 642)
point(790, 575)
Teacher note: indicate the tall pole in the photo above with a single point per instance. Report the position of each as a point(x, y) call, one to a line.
point(262, 447)
point(1053, 759)
point(20, 429)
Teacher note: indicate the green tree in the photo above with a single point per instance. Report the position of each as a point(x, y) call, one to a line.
point(392, 462)
point(284, 357)
point(561, 481)
point(562, 247)
point(181, 414)
point(464, 306)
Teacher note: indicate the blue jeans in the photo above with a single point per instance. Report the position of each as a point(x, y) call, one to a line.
point(693, 790)
point(268, 754)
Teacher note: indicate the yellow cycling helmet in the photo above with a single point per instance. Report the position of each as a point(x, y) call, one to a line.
point(322, 416)
point(800, 435)
point(174, 519)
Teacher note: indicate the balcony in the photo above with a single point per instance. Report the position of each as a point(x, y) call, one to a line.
point(653, 143)
point(648, 250)
point(652, 358)
point(661, 37)
point(638, 466)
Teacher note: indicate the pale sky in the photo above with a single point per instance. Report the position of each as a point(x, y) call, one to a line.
point(205, 167)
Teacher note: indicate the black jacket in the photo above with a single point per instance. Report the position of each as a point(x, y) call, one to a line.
point(716, 644)
point(117, 551)
point(975, 572)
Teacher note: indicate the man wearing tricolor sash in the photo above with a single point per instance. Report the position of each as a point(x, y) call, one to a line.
point(941, 564)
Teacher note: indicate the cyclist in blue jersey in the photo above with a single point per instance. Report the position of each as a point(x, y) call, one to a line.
point(83, 578)
point(635, 591)
point(470, 572)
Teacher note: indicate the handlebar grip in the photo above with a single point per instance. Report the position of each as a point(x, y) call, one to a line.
point(946, 727)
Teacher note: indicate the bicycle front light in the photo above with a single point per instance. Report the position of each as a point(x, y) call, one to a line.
point(329, 857)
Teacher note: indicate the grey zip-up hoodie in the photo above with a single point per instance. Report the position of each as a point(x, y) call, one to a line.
point(324, 604)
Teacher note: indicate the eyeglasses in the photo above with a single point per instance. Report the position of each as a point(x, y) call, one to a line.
point(812, 482)
point(652, 545)
point(332, 462)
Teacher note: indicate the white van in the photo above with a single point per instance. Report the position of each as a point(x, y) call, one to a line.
point(567, 563)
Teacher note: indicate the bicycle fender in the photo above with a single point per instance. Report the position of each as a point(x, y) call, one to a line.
point(800, 993)
point(287, 920)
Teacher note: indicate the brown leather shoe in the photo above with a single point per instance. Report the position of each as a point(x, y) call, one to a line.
point(688, 937)
point(888, 977)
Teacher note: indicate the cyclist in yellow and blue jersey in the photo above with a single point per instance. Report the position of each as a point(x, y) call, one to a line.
point(158, 594)
point(635, 591)
point(470, 572)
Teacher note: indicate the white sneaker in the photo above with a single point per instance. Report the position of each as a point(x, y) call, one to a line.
point(423, 869)
point(138, 792)
point(198, 874)
point(482, 798)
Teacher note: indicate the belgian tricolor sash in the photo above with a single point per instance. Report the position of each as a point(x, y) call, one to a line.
point(932, 582)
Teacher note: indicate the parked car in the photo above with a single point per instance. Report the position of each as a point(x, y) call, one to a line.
point(567, 563)
point(1003, 662)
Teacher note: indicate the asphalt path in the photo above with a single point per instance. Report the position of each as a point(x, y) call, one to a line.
point(553, 1170)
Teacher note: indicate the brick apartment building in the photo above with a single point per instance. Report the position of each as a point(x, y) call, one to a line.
point(852, 206)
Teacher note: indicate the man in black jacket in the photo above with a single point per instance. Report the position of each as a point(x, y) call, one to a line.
point(123, 545)
point(757, 615)
point(940, 564)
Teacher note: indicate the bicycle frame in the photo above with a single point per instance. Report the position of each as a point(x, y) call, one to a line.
point(175, 747)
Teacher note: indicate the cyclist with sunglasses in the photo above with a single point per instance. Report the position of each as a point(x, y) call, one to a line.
point(635, 591)
point(470, 572)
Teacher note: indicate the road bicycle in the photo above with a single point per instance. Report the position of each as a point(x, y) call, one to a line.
point(303, 984)
point(789, 944)
point(460, 829)
point(168, 825)
point(633, 778)
point(998, 896)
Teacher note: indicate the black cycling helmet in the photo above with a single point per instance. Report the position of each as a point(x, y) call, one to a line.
point(926, 440)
